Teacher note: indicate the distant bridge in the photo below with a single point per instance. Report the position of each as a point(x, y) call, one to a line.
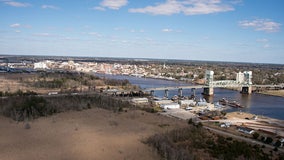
point(214, 86)
point(243, 80)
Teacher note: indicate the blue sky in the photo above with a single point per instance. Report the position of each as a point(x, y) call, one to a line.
point(216, 30)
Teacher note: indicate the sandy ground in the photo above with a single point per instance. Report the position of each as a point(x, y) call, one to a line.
point(264, 123)
point(90, 134)
point(241, 115)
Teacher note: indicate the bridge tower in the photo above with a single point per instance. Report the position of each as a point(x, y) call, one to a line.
point(247, 82)
point(152, 93)
point(166, 93)
point(180, 92)
point(208, 89)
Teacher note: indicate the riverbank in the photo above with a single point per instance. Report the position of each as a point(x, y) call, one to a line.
point(279, 93)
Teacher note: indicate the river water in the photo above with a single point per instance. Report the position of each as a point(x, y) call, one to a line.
point(263, 105)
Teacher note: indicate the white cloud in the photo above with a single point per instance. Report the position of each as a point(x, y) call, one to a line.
point(49, 7)
point(167, 30)
point(236, 1)
point(113, 4)
point(266, 46)
point(16, 4)
point(261, 25)
point(118, 28)
point(137, 31)
point(263, 40)
point(188, 7)
point(94, 34)
point(18, 25)
point(99, 8)
point(170, 30)
point(42, 34)
point(168, 8)
point(15, 25)
point(207, 7)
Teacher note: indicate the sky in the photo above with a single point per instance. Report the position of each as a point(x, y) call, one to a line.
point(209, 30)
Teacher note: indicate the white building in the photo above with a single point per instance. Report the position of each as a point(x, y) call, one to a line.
point(245, 130)
point(40, 65)
point(170, 106)
point(139, 100)
point(187, 103)
point(225, 125)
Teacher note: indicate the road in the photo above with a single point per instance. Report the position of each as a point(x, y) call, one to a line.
point(241, 138)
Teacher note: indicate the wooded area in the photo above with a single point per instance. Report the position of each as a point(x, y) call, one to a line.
point(29, 107)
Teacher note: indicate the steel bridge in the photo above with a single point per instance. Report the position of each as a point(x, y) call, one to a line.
point(216, 84)
point(243, 80)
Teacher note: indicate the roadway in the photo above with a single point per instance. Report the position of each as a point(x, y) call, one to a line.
point(173, 88)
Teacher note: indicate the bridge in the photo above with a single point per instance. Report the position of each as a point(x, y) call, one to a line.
point(215, 86)
point(243, 80)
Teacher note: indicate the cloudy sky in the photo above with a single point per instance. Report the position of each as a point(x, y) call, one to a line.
point(216, 30)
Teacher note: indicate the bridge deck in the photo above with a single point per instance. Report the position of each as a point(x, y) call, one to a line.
point(173, 88)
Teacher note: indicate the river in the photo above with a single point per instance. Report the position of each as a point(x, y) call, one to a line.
point(263, 105)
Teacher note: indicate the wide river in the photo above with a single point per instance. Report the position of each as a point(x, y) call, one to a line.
point(263, 105)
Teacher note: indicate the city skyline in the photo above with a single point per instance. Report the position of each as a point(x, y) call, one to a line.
point(215, 30)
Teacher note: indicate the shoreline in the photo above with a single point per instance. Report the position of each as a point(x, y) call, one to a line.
point(277, 93)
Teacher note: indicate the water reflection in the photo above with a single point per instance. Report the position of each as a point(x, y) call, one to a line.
point(246, 100)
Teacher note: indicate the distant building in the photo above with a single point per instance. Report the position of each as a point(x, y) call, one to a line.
point(162, 102)
point(185, 103)
point(17, 65)
point(170, 106)
point(202, 102)
point(70, 65)
point(225, 125)
point(245, 130)
point(139, 100)
point(40, 65)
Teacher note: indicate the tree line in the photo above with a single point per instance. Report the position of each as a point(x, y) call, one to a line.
point(21, 108)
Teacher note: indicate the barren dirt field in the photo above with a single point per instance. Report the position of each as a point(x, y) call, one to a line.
point(89, 134)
